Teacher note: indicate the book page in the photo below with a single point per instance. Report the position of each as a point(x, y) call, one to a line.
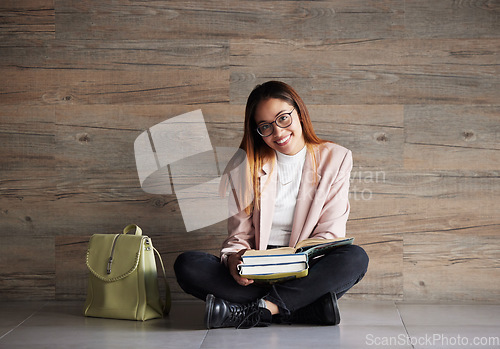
point(274, 251)
point(317, 241)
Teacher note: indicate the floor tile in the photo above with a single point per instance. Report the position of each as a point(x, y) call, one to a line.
point(452, 326)
point(62, 325)
point(12, 314)
point(369, 313)
point(364, 325)
point(186, 315)
point(301, 336)
point(447, 314)
point(373, 336)
point(480, 337)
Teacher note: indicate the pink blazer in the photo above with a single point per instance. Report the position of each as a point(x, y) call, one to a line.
point(322, 203)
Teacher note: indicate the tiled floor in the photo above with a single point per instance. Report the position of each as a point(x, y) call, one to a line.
point(364, 325)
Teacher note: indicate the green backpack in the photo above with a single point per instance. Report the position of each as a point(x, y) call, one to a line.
point(123, 281)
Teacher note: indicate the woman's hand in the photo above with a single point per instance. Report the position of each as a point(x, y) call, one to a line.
point(232, 263)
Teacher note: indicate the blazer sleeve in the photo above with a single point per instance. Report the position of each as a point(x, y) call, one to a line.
point(240, 225)
point(241, 235)
point(333, 217)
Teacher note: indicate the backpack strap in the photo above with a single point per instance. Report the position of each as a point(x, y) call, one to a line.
point(168, 301)
point(128, 228)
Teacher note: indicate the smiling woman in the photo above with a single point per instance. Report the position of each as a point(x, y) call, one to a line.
point(300, 185)
point(287, 138)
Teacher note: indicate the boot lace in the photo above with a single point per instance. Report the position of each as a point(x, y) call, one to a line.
point(246, 316)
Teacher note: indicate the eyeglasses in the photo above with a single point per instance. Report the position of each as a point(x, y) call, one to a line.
point(284, 120)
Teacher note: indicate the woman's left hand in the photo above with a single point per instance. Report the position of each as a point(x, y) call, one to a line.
point(232, 263)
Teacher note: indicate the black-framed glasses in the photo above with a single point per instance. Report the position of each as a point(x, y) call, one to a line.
point(284, 120)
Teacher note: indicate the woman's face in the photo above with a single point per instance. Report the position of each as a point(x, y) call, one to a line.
point(288, 140)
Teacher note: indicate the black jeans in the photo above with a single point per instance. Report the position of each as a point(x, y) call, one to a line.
point(200, 273)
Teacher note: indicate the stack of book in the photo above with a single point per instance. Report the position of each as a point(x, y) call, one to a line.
point(286, 263)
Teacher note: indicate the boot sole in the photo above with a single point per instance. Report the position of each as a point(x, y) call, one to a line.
point(335, 309)
point(209, 306)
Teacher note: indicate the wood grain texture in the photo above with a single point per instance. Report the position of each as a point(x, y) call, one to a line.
point(451, 248)
point(451, 266)
point(125, 55)
point(411, 87)
point(374, 134)
point(136, 87)
point(27, 268)
point(450, 137)
point(28, 21)
point(132, 72)
point(388, 208)
point(71, 273)
point(96, 164)
point(27, 169)
point(28, 138)
point(244, 19)
point(375, 71)
point(465, 19)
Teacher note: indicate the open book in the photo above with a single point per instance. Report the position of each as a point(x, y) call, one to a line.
point(286, 262)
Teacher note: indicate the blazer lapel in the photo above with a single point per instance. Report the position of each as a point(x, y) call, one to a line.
point(305, 197)
point(268, 197)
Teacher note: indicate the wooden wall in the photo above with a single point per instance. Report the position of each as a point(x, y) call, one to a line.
point(411, 86)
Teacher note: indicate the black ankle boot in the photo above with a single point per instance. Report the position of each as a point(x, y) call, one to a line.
point(221, 313)
point(323, 311)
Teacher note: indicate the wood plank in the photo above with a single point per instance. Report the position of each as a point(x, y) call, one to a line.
point(121, 20)
point(71, 272)
point(125, 55)
point(38, 87)
point(27, 268)
point(452, 19)
point(444, 157)
point(28, 21)
point(28, 213)
point(410, 202)
point(374, 134)
point(27, 136)
point(449, 214)
point(379, 209)
point(377, 220)
point(27, 165)
point(373, 184)
point(452, 137)
point(384, 278)
point(379, 71)
point(452, 266)
point(140, 72)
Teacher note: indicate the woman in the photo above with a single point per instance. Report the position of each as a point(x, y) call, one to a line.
point(299, 185)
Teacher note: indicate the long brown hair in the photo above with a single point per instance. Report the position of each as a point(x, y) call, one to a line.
point(257, 151)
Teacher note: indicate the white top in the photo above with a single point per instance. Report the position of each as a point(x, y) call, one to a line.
point(289, 177)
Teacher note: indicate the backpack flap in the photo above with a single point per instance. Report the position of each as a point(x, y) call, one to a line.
point(113, 257)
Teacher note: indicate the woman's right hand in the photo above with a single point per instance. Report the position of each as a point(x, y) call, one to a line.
point(232, 263)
